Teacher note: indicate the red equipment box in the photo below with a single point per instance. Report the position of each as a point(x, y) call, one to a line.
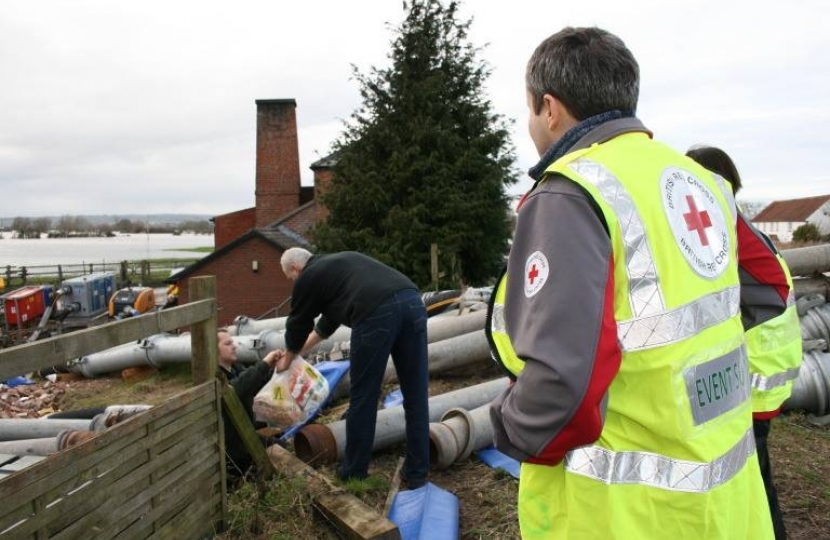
point(26, 304)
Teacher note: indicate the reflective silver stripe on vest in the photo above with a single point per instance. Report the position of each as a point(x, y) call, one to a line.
point(681, 322)
point(791, 298)
point(654, 470)
point(762, 383)
point(644, 292)
point(727, 194)
point(497, 323)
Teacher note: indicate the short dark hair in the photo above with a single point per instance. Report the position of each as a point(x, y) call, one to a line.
point(717, 161)
point(589, 70)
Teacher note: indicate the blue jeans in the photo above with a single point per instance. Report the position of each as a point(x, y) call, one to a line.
point(397, 326)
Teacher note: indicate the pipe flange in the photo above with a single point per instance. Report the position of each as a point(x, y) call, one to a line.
point(315, 443)
point(457, 412)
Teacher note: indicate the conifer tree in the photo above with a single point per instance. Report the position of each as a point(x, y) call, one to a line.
point(424, 159)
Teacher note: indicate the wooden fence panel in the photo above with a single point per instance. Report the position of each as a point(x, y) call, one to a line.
point(133, 480)
point(56, 350)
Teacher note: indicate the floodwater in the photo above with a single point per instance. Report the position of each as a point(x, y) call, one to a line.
point(52, 251)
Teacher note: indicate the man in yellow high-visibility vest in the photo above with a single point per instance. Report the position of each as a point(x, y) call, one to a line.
point(618, 319)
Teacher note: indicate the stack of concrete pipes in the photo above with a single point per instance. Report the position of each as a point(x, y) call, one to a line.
point(44, 436)
point(809, 267)
point(455, 339)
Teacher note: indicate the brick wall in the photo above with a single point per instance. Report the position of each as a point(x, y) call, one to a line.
point(322, 182)
point(229, 227)
point(240, 290)
point(277, 160)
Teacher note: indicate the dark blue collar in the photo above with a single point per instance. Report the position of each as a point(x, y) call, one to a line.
point(563, 145)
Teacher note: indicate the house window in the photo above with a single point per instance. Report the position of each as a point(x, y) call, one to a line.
point(790, 226)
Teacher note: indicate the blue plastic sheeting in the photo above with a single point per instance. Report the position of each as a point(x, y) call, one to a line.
point(426, 513)
point(333, 372)
point(17, 381)
point(393, 399)
point(497, 460)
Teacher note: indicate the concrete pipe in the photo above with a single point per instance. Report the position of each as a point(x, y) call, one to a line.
point(243, 325)
point(808, 261)
point(815, 324)
point(459, 434)
point(30, 447)
point(46, 445)
point(812, 285)
point(152, 351)
point(457, 351)
point(16, 429)
point(811, 390)
point(807, 302)
point(12, 429)
point(446, 325)
point(322, 443)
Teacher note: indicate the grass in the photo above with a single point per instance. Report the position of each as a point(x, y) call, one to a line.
point(203, 249)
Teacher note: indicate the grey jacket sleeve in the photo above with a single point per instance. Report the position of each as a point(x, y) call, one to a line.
point(562, 328)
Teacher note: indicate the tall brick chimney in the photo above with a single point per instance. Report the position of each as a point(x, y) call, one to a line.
point(277, 160)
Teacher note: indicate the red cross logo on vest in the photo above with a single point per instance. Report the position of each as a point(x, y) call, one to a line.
point(697, 221)
point(532, 274)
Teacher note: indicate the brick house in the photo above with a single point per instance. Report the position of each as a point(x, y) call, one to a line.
point(780, 219)
point(249, 243)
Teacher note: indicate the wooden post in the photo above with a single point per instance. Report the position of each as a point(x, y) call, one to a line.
point(60, 274)
point(243, 425)
point(433, 260)
point(203, 341)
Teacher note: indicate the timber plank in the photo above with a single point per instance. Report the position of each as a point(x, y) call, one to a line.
point(59, 349)
point(74, 508)
point(98, 471)
point(222, 522)
point(64, 464)
point(352, 518)
point(156, 522)
point(16, 517)
point(122, 502)
point(110, 525)
point(191, 522)
point(131, 453)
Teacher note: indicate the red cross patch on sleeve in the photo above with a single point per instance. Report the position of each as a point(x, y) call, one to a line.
point(537, 270)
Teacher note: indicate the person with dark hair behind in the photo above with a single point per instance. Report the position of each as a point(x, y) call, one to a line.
point(768, 313)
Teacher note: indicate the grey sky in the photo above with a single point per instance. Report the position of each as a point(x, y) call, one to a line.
point(148, 107)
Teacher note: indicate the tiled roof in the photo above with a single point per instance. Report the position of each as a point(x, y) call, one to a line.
point(325, 163)
point(792, 210)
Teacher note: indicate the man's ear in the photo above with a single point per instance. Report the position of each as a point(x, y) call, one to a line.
point(558, 117)
point(552, 109)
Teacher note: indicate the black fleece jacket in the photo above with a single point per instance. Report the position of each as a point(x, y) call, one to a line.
point(344, 287)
